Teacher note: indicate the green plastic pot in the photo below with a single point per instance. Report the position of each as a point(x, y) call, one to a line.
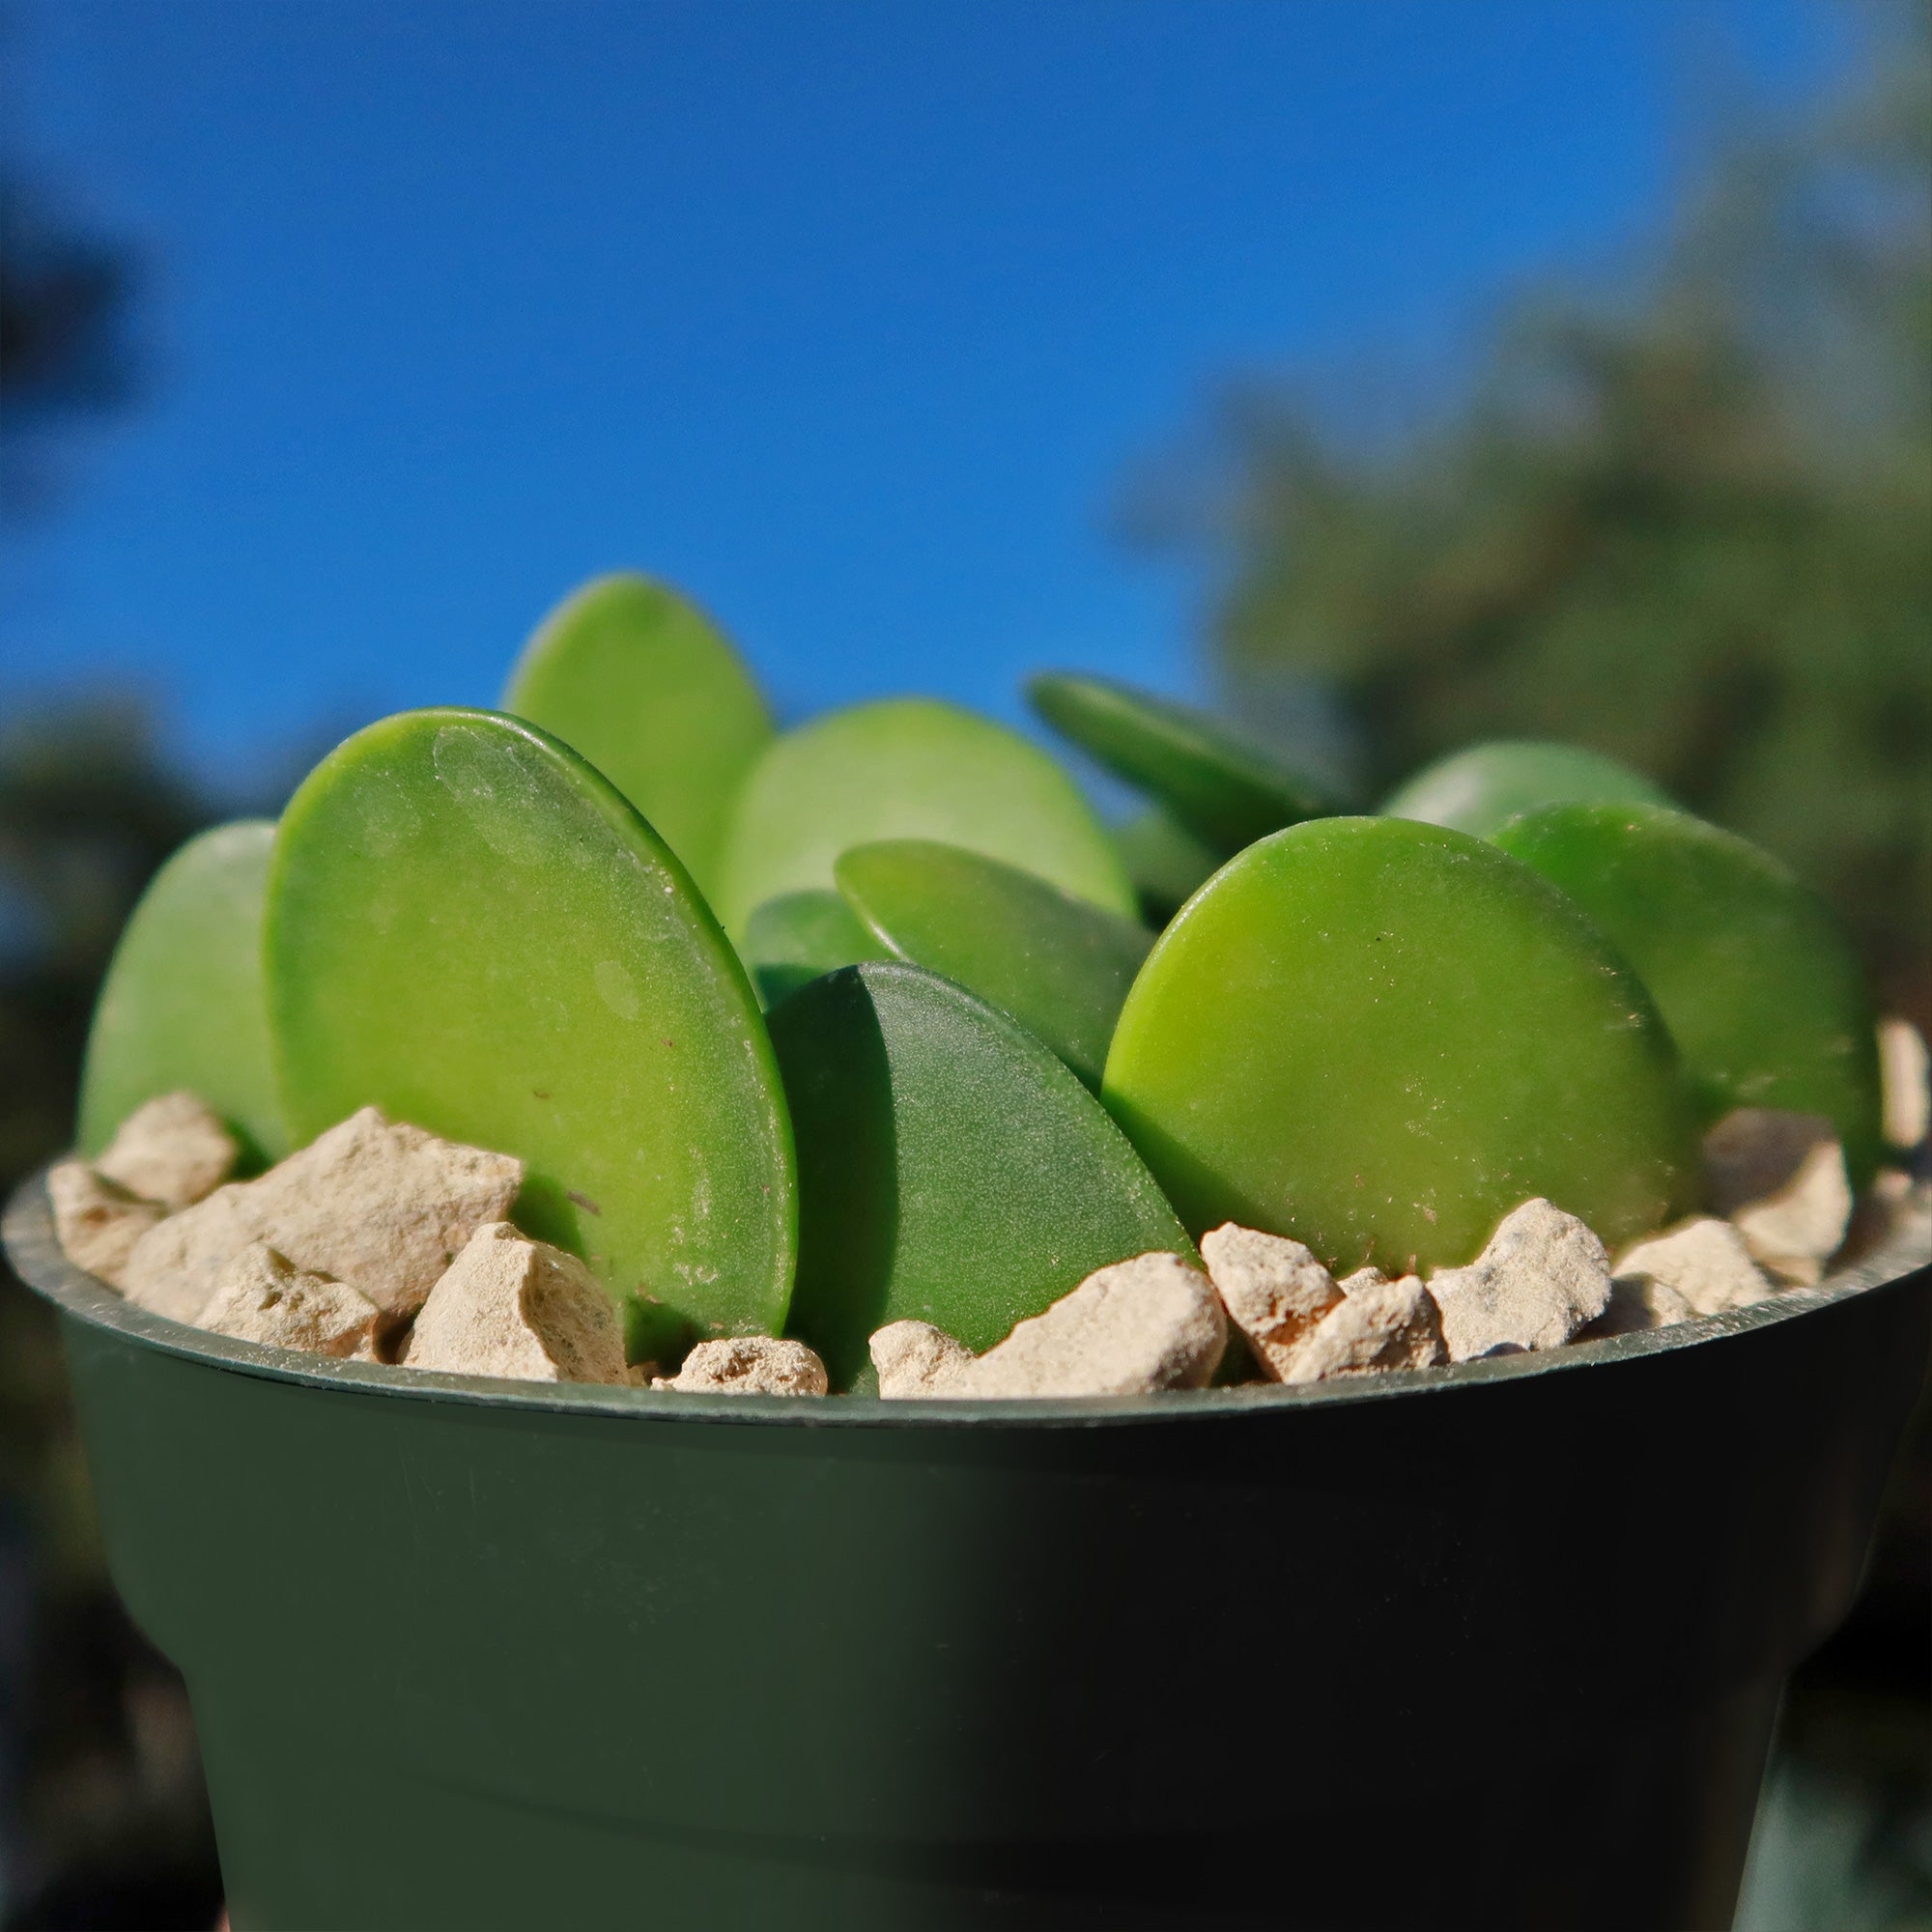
point(1493, 1646)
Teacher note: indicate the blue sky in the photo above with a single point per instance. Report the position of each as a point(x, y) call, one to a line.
point(849, 317)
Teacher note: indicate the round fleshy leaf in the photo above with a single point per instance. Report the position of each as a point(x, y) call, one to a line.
point(471, 928)
point(635, 678)
point(951, 1169)
point(793, 939)
point(911, 768)
point(1484, 786)
point(1059, 966)
point(1759, 987)
point(1379, 1036)
point(1167, 863)
point(1226, 788)
point(182, 1005)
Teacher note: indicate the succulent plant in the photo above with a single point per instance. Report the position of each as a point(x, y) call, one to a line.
point(184, 1005)
point(639, 681)
point(951, 1169)
point(469, 927)
point(1379, 1036)
point(1226, 789)
point(1482, 787)
point(1058, 965)
point(1759, 988)
point(1527, 975)
point(911, 768)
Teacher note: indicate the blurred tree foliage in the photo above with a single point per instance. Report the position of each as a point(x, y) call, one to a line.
point(62, 307)
point(103, 1814)
point(1692, 529)
point(87, 810)
point(64, 342)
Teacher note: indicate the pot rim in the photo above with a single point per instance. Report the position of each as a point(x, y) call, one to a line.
point(31, 1246)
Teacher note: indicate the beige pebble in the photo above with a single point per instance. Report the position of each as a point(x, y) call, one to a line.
point(1384, 1324)
point(174, 1149)
point(1140, 1326)
point(1905, 1079)
point(1797, 1230)
point(1542, 1276)
point(98, 1220)
point(1705, 1261)
point(748, 1365)
point(521, 1308)
point(1273, 1289)
point(1780, 1177)
point(913, 1357)
point(262, 1296)
point(174, 1266)
point(1893, 1209)
point(1637, 1303)
point(384, 1206)
point(1756, 1151)
point(1363, 1277)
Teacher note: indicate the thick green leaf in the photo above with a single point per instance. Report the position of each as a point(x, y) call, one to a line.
point(182, 1005)
point(469, 927)
point(1484, 786)
point(1226, 788)
point(1167, 863)
point(911, 768)
point(951, 1169)
point(1058, 965)
point(1379, 1036)
point(645, 684)
point(791, 940)
point(1758, 985)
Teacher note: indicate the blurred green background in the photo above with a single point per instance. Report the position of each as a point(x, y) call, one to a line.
point(1686, 521)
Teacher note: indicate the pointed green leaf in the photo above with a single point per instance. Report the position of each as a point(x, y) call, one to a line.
point(1758, 985)
point(951, 1169)
point(182, 1005)
point(791, 940)
point(639, 681)
point(471, 928)
point(1484, 786)
point(911, 768)
point(1057, 965)
point(1226, 788)
point(1379, 1036)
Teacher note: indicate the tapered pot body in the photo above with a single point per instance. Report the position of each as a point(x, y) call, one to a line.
point(1495, 1646)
